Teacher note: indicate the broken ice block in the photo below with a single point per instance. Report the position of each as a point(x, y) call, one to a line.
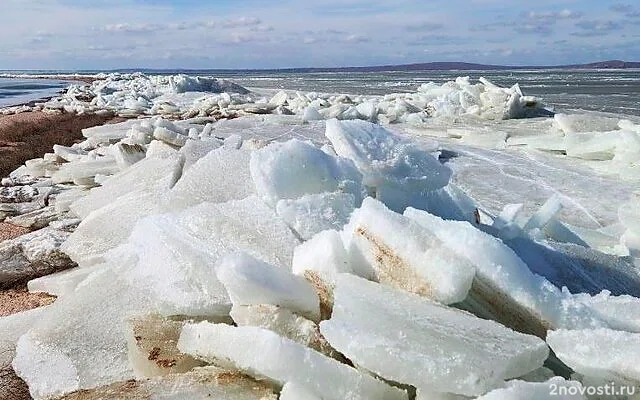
point(177, 269)
point(169, 136)
point(194, 150)
point(285, 323)
point(505, 289)
point(547, 212)
point(394, 250)
point(294, 168)
point(86, 168)
point(109, 226)
point(265, 355)
point(554, 388)
point(61, 283)
point(251, 281)
point(12, 327)
point(108, 132)
point(153, 347)
point(151, 175)
point(219, 176)
point(314, 213)
point(320, 260)
point(395, 167)
point(599, 353)
point(239, 225)
point(79, 342)
point(324, 253)
point(127, 154)
point(408, 339)
point(294, 391)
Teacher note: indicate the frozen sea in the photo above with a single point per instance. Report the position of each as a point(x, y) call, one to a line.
point(497, 177)
point(612, 91)
point(494, 177)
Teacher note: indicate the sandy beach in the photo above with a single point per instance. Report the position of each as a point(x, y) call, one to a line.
point(30, 135)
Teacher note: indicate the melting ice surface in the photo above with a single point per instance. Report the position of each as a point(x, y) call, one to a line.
point(364, 246)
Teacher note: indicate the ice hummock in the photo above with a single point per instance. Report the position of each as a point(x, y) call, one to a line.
point(398, 172)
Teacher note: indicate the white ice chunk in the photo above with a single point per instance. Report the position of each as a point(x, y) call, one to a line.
point(294, 168)
point(108, 227)
point(323, 254)
point(194, 150)
point(265, 355)
point(78, 344)
point(12, 327)
point(85, 169)
point(500, 272)
point(577, 123)
point(314, 213)
point(547, 212)
point(127, 154)
point(285, 323)
point(61, 283)
point(152, 175)
point(238, 225)
point(399, 170)
point(406, 338)
point(295, 391)
point(222, 175)
point(250, 281)
point(312, 114)
point(177, 269)
point(393, 249)
point(554, 388)
point(599, 353)
point(169, 136)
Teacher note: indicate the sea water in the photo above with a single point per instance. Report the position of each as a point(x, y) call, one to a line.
point(20, 91)
point(611, 91)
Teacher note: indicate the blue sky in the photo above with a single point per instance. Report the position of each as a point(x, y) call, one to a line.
point(104, 34)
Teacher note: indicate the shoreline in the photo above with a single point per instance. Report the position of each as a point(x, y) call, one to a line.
point(23, 137)
point(69, 80)
point(29, 135)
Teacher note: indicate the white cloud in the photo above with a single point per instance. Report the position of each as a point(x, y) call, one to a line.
point(136, 33)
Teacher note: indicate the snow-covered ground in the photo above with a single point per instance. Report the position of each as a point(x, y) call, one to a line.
point(293, 236)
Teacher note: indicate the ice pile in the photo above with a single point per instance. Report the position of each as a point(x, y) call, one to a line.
point(338, 266)
point(136, 94)
point(609, 144)
point(185, 96)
